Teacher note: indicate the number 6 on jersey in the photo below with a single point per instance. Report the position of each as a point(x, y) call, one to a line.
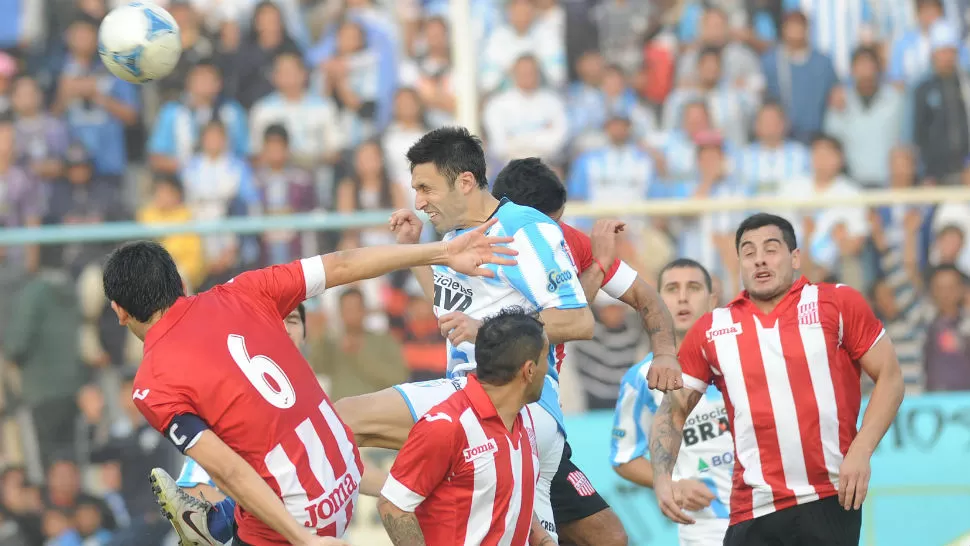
point(263, 373)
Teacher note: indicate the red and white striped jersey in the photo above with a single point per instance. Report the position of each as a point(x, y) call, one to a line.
point(791, 385)
point(224, 356)
point(467, 478)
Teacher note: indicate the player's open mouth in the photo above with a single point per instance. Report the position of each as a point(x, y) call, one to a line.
point(683, 313)
point(762, 275)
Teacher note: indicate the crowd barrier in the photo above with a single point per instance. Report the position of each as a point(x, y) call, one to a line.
point(919, 494)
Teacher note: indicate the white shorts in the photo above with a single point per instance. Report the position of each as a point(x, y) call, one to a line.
point(192, 475)
point(422, 396)
point(706, 532)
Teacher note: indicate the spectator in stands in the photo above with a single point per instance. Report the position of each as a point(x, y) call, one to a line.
point(19, 507)
point(83, 197)
point(137, 448)
point(897, 229)
point(351, 78)
point(424, 349)
point(59, 528)
point(799, 77)
point(910, 56)
point(10, 534)
point(90, 526)
point(369, 188)
point(42, 139)
point(167, 206)
point(8, 71)
point(410, 123)
point(838, 28)
point(867, 117)
point(622, 25)
point(601, 93)
point(65, 492)
point(941, 127)
point(311, 121)
point(904, 312)
point(742, 70)
point(618, 342)
point(284, 188)
point(196, 48)
point(97, 105)
point(518, 38)
point(215, 180)
point(678, 150)
point(175, 136)
point(527, 120)
point(430, 73)
point(832, 235)
point(619, 172)
point(730, 109)
point(22, 204)
point(771, 158)
point(250, 67)
point(43, 344)
point(947, 351)
point(357, 361)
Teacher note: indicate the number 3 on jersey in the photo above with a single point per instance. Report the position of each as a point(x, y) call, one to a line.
point(263, 373)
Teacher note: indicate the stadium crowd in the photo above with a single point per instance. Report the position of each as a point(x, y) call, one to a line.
point(284, 107)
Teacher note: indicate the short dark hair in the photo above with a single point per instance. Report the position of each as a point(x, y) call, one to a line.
point(452, 150)
point(709, 51)
point(531, 183)
point(301, 309)
point(505, 342)
point(947, 268)
point(935, 3)
point(686, 263)
point(142, 278)
point(277, 130)
point(762, 219)
point(825, 138)
point(348, 292)
point(866, 51)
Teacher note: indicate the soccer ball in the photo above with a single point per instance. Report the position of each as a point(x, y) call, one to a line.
point(139, 42)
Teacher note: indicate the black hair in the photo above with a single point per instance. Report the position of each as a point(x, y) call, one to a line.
point(505, 342)
point(825, 138)
point(142, 278)
point(531, 183)
point(709, 51)
point(762, 219)
point(795, 15)
point(866, 51)
point(301, 309)
point(947, 268)
point(921, 3)
point(686, 263)
point(772, 104)
point(287, 52)
point(452, 150)
point(170, 180)
point(352, 291)
point(208, 64)
point(277, 130)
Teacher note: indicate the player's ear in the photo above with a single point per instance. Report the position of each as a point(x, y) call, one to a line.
point(466, 182)
point(796, 259)
point(123, 316)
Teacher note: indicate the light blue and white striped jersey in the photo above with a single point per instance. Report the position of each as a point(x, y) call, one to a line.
point(894, 18)
point(764, 169)
point(731, 110)
point(192, 475)
point(706, 453)
point(837, 28)
point(545, 277)
point(911, 56)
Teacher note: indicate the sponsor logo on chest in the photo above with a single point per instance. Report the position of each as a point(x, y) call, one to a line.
point(487, 448)
point(732, 330)
point(808, 314)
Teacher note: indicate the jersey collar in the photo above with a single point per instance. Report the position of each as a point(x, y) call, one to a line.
point(168, 320)
point(479, 399)
point(796, 288)
point(501, 203)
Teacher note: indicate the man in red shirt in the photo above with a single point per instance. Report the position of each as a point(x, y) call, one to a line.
point(467, 473)
point(221, 379)
point(786, 354)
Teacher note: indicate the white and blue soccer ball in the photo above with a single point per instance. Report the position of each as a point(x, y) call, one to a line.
point(139, 42)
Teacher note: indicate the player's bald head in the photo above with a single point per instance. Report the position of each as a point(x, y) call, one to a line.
point(505, 342)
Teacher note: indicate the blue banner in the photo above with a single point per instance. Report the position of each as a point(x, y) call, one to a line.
point(919, 493)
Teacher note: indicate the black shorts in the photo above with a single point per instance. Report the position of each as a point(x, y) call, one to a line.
point(573, 496)
point(819, 522)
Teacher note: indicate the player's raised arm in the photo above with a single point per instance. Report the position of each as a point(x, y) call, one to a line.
point(466, 254)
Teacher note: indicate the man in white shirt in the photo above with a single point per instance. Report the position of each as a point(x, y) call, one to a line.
point(521, 36)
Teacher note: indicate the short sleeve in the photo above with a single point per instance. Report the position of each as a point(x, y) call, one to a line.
point(158, 400)
point(545, 272)
point(424, 461)
point(693, 362)
point(284, 286)
point(860, 327)
point(634, 412)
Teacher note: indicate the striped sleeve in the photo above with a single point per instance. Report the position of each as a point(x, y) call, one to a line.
point(632, 417)
point(545, 272)
point(423, 463)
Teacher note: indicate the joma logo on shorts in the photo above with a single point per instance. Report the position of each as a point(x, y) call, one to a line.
point(473, 453)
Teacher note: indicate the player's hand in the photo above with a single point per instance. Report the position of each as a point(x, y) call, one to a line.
point(694, 495)
point(665, 374)
point(670, 500)
point(468, 252)
point(603, 239)
point(406, 225)
point(459, 327)
point(854, 479)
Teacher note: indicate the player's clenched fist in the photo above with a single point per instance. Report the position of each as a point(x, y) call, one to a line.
point(406, 225)
point(665, 374)
point(603, 239)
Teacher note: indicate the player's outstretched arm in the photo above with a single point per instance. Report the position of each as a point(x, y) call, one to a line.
point(402, 527)
point(665, 373)
point(466, 254)
point(240, 481)
point(666, 434)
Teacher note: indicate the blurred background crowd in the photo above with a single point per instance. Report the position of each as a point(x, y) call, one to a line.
point(290, 106)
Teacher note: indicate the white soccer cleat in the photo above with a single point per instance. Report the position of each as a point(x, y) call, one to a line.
point(187, 514)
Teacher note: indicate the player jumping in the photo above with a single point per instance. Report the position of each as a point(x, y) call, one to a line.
point(223, 382)
point(703, 470)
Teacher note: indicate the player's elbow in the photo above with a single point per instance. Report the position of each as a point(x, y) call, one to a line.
point(586, 324)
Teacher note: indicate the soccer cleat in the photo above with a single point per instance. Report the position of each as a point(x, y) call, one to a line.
point(187, 514)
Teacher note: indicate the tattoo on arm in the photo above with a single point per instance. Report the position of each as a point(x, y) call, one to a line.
point(657, 321)
point(402, 527)
point(667, 430)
